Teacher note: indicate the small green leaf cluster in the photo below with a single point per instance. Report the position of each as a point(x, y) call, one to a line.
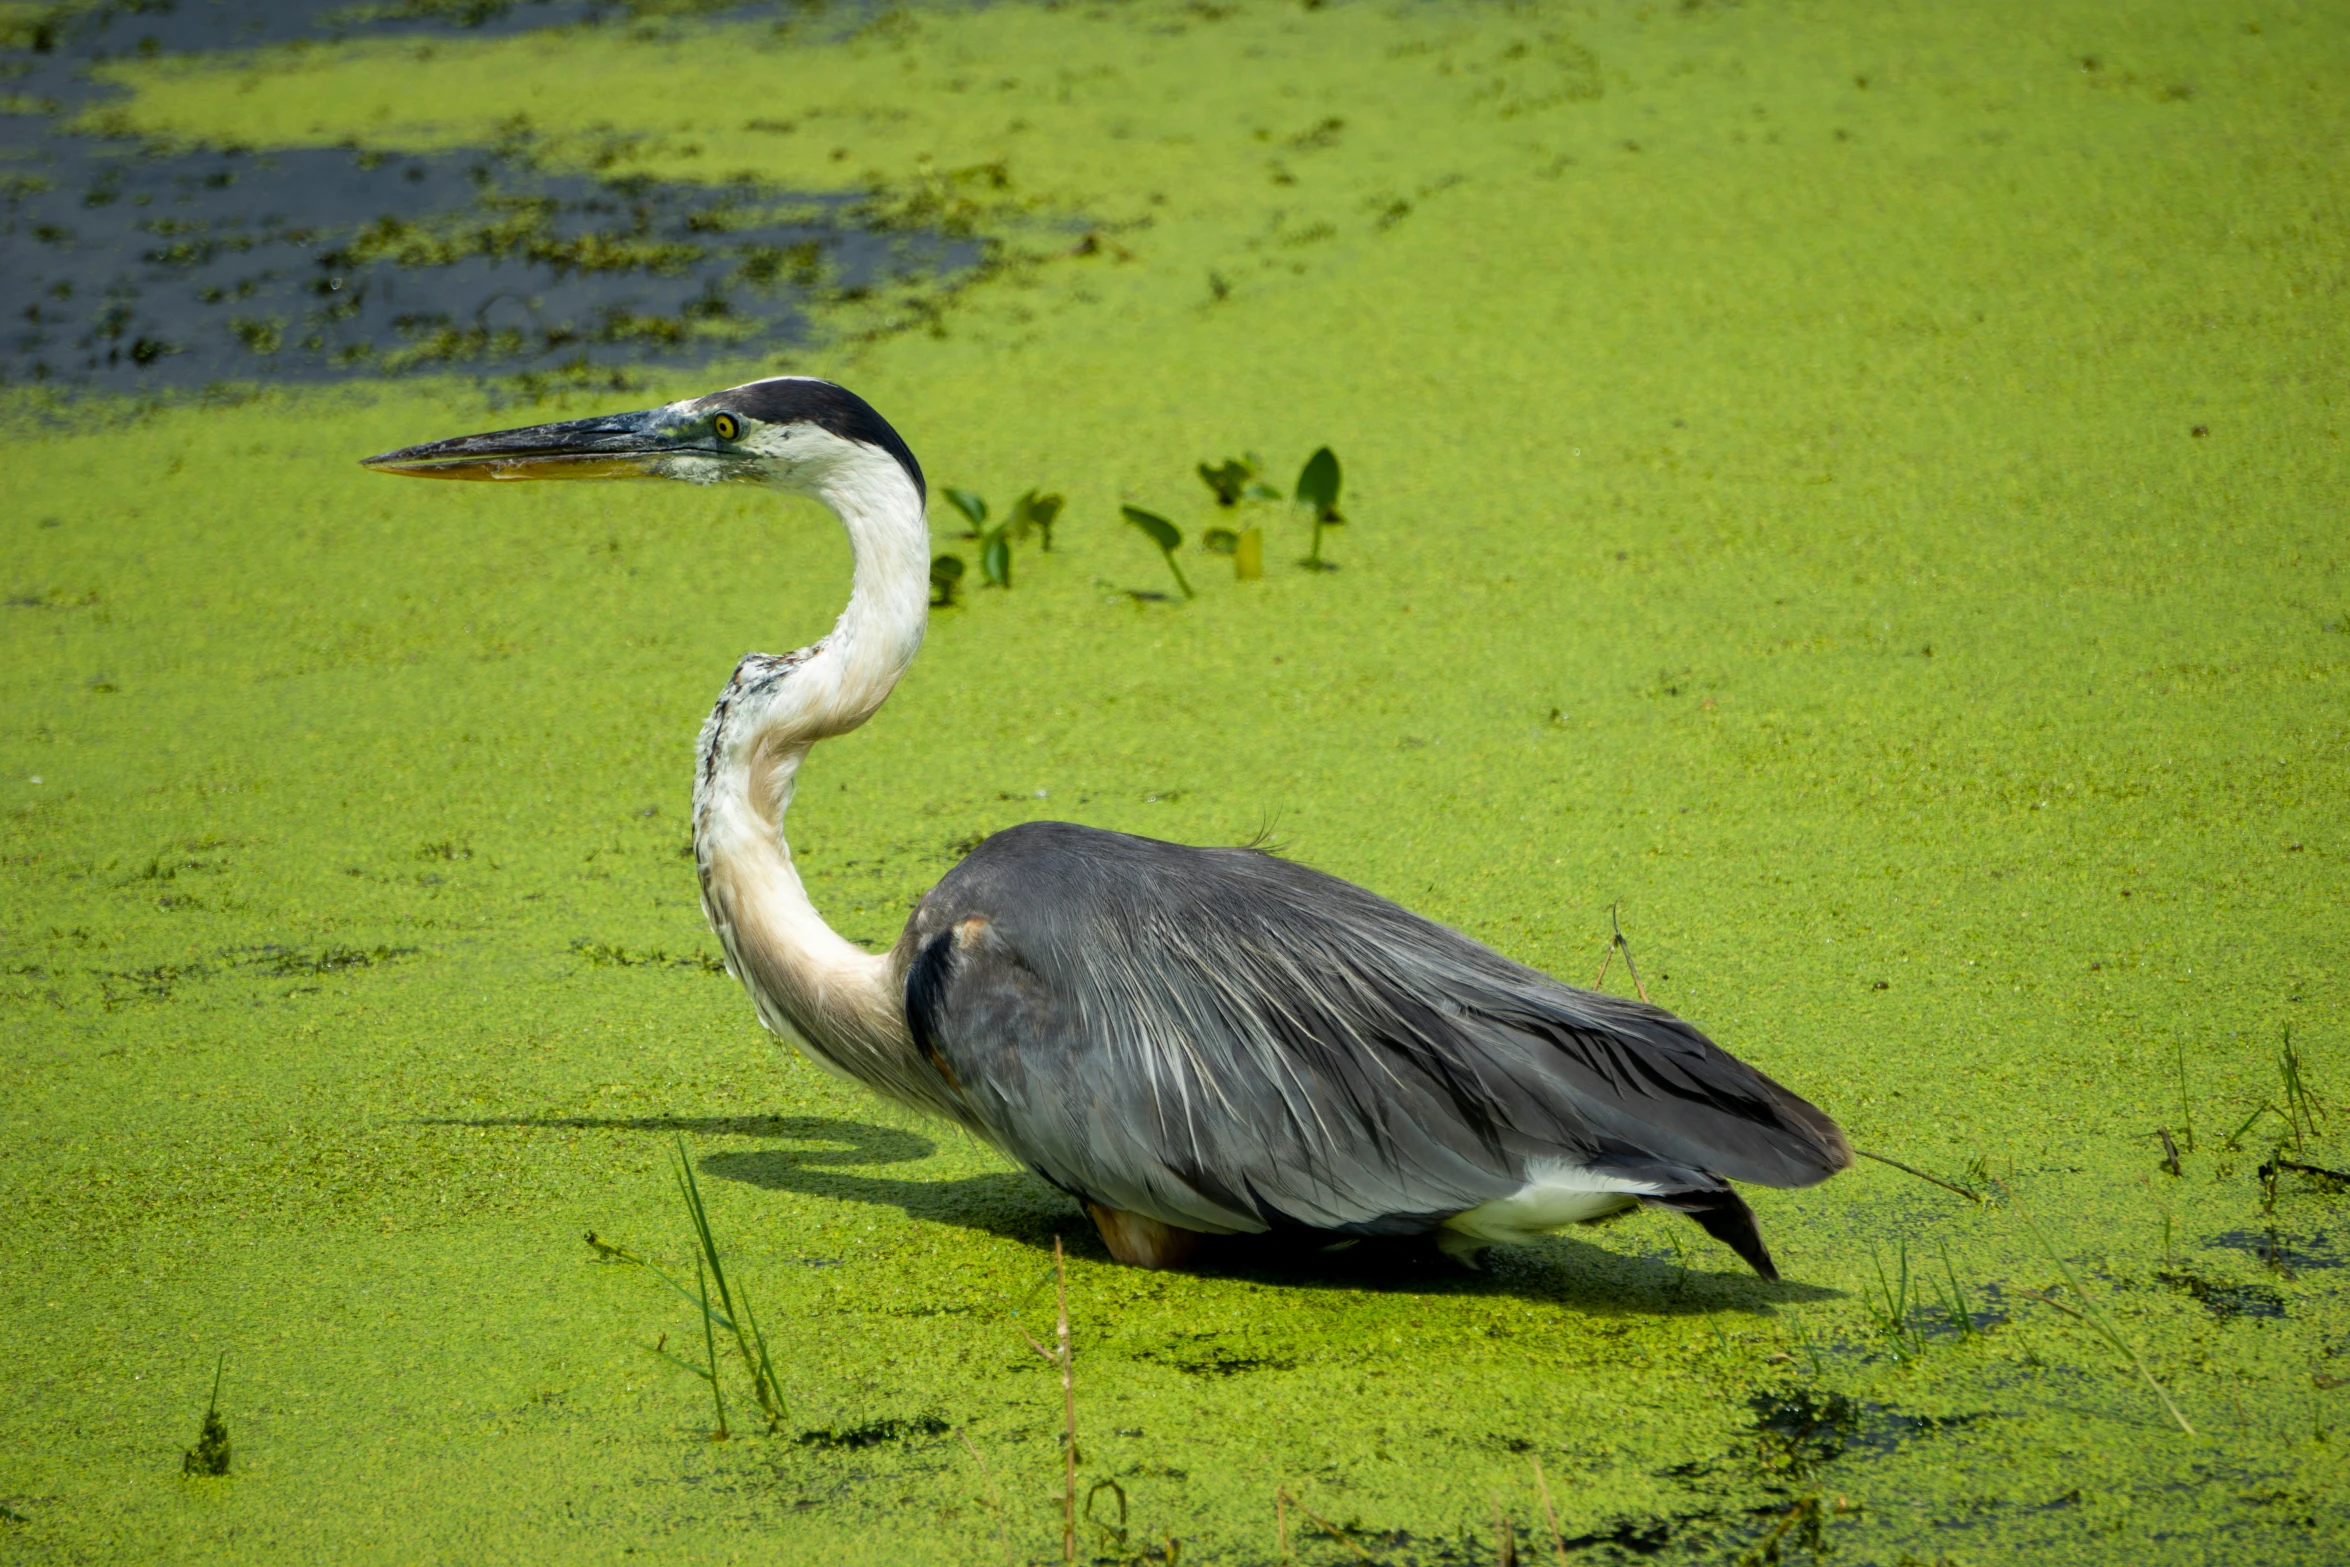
point(1234, 481)
point(1033, 514)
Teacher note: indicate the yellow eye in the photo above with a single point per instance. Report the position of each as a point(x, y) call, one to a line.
point(727, 426)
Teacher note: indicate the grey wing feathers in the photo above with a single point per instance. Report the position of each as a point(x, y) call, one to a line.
point(1227, 1041)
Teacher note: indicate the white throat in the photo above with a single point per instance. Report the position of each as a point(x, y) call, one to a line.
point(845, 1006)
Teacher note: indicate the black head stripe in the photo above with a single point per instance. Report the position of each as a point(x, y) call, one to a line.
point(806, 400)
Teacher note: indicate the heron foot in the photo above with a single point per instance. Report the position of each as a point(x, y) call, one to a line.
point(1143, 1242)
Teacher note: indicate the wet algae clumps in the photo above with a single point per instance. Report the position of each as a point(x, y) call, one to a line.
point(1856, 489)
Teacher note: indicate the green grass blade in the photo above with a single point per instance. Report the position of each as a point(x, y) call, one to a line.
point(692, 1191)
point(764, 1382)
point(1962, 1316)
point(682, 1365)
point(710, 1347)
point(2266, 1109)
point(2096, 1319)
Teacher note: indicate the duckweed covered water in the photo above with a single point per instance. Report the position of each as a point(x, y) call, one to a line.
point(1858, 489)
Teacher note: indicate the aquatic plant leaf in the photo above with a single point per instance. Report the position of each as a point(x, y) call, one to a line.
point(1219, 541)
point(1317, 484)
point(1034, 511)
point(1162, 532)
point(946, 575)
point(1166, 536)
point(995, 559)
point(969, 503)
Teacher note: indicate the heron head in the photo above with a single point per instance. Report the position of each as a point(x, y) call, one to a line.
point(793, 432)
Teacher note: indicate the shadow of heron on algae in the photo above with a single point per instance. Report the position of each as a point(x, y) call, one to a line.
point(1021, 1207)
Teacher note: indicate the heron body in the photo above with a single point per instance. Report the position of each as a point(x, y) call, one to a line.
point(1190, 1041)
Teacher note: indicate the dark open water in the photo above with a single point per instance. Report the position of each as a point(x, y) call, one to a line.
point(126, 267)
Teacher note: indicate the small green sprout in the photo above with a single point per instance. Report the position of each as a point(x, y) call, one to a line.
point(1037, 512)
point(2300, 1105)
point(995, 558)
point(1317, 486)
point(973, 508)
point(946, 575)
point(1890, 1306)
point(210, 1455)
point(1165, 535)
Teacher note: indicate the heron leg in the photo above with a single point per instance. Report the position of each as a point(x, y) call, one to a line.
point(1463, 1248)
point(1143, 1242)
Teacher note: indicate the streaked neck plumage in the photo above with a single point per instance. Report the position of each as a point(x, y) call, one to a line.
point(845, 1005)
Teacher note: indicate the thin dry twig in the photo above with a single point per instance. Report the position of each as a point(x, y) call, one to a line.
point(1558, 1536)
point(1325, 1525)
point(1505, 1538)
point(1921, 1175)
point(2046, 1299)
point(1061, 1357)
point(1068, 1405)
point(995, 1497)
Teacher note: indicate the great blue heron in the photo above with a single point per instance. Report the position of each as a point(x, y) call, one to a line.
point(1190, 1041)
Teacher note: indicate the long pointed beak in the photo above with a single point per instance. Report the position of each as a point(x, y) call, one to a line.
point(617, 446)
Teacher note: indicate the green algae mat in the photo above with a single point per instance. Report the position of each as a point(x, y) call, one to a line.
point(1855, 491)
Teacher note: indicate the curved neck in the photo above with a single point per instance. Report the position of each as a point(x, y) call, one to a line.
point(845, 1005)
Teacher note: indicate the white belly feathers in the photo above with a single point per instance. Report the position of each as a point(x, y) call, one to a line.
point(1556, 1194)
